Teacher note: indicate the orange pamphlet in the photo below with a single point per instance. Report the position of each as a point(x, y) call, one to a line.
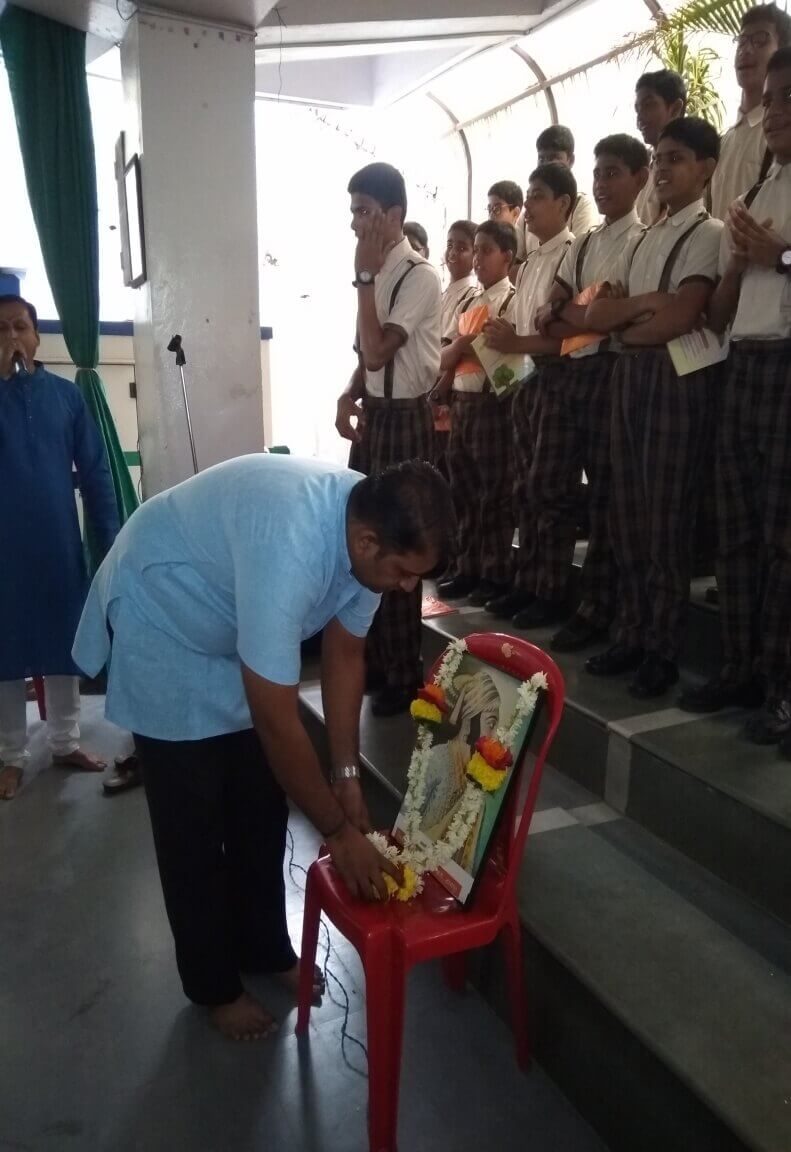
point(585, 339)
point(471, 323)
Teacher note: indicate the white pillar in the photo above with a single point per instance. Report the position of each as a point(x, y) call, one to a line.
point(188, 91)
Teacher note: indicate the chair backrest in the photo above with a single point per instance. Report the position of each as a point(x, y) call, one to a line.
point(520, 659)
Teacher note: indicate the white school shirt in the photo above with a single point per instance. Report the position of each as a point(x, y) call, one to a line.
point(493, 298)
point(584, 217)
point(764, 308)
point(417, 313)
point(454, 294)
point(648, 204)
point(640, 268)
point(604, 247)
point(534, 282)
point(739, 166)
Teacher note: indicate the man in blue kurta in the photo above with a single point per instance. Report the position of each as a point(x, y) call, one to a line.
point(201, 607)
point(46, 431)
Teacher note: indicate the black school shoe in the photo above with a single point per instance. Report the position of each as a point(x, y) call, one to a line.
point(506, 606)
point(577, 634)
point(485, 591)
point(655, 677)
point(614, 661)
point(456, 587)
point(717, 694)
point(540, 613)
point(772, 724)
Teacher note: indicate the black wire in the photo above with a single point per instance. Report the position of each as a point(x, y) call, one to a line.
point(282, 23)
point(328, 973)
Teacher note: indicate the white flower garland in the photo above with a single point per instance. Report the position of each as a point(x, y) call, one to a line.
point(417, 855)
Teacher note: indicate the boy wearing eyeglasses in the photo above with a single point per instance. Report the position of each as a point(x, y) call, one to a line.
point(754, 441)
point(745, 156)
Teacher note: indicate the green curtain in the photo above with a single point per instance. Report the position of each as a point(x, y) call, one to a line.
point(45, 62)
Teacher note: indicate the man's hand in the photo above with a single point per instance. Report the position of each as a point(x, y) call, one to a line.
point(349, 794)
point(360, 865)
point(544, 317)
point(755, 243)
point(372, 247)
point(348, 410)
point(501, 336)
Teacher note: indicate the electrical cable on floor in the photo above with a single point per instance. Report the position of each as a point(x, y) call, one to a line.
point(329, 975)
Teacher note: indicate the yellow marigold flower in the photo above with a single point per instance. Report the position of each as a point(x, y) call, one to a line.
point(490, 779)
point(406, 890)
point(424, 712)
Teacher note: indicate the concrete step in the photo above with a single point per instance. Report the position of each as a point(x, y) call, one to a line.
point(660, 995)
point(694, 781)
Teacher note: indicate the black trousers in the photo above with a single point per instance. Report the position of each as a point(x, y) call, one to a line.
point(219, 819)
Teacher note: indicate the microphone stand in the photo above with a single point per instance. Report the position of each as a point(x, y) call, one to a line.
point(181, 360)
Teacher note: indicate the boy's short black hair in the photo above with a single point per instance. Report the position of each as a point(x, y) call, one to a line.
point(409, 506)
point(556, 138)
point(468, 227)
point(504, 235)
point(668, 86)
point(770, 14)
point(383, 183)
point(416, 231)
point(509, 192)
point(632, 151)
point(702, 137)
point(559, 178)
point(12, 298)
point(781, 59)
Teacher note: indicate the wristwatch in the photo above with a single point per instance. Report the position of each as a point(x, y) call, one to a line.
point(347, 772)
point(784, 262)
point(363, 278)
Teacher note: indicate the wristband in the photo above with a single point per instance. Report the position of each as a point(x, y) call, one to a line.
point(347, 772)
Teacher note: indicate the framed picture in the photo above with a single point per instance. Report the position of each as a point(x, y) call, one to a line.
point(130, 215)
point(481, 700)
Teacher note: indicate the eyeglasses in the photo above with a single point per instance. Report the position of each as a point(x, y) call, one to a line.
point(756, 40)
point(495, 210)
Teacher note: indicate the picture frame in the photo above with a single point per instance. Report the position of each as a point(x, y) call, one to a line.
point(129, 183)
point(481, 701)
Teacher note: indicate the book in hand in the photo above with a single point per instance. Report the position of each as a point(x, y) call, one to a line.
point(586, 343)
point(697, 350)
point(504, 370)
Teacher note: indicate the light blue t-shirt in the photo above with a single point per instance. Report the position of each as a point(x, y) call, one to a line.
point(243, 562)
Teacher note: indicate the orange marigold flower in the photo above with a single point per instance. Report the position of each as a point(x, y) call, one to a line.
point(433, 694)
point(494, 753)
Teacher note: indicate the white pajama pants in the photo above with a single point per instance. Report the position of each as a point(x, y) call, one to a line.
point(62, 695)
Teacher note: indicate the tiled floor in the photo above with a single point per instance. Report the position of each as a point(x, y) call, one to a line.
point(101, 1053)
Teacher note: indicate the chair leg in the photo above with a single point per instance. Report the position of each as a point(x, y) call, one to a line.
point(310, 938)
point(454, 969)
point(511, 935)
point(41, 700)
point(385, 980)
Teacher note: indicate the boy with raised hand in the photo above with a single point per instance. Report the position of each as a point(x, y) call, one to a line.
point(660, 98)
point(745, 156)
point(660, 423)
point(550, 197)
point(480, 452)
point(753, 464)
point(574, 424)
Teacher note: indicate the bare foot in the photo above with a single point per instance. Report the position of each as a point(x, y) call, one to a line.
point(290, 980)
point(10, 779)
point(80, 760)
point(244, 1019)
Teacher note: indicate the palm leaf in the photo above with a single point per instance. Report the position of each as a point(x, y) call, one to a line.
point(723, 16)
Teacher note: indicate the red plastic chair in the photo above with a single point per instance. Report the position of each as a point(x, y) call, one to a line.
point(392, 937)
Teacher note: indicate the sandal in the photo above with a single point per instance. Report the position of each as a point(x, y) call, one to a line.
point(127, 775)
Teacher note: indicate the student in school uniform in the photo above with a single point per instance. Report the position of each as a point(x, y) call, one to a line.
point(480, 449)
point(550, 197)
point(753, 464)
point(555, 145)
point(660, 97)
point(660, 422)
point(745, 157)
point(574, 424)
point(417, 236)
point(504, 203)
point(463, 281)
point(398, 336)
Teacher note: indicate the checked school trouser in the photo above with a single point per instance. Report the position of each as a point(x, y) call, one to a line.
point(480, 466)
point(574, 434)
point(395, 431)
point(526, 413)
point(754, 514)
point(660, 426)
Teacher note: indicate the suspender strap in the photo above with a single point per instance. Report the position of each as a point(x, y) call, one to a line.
point(578, 268)
point(390, 365)
point(766, 164)
point(504, 306)
point(675, 252)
